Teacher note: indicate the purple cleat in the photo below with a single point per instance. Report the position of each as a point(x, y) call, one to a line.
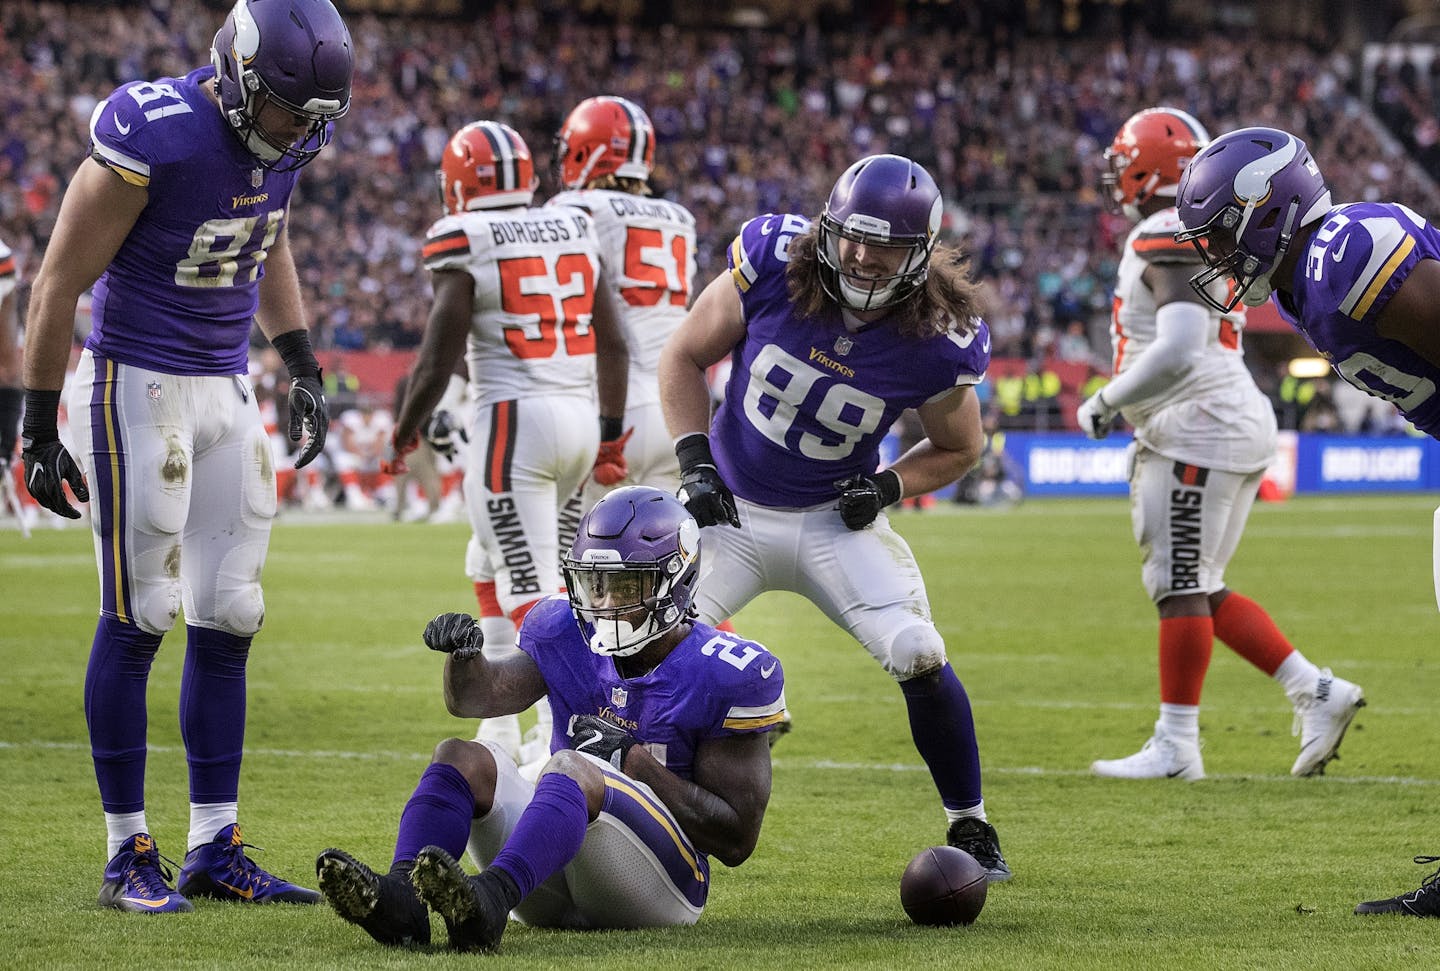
point(220, 869)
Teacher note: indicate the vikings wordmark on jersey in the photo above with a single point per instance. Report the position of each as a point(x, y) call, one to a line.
point(712, 685)
point(181, 295)
point(807, 390)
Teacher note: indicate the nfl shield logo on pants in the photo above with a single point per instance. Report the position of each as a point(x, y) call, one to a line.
point(152, 388)
point(618, 697)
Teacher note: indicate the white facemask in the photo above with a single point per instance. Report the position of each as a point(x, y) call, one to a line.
point(618, 638)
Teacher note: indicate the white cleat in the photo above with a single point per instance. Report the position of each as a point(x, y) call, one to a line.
point(1161, 757)
point(1321, 717)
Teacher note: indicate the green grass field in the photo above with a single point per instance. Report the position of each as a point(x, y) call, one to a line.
point(1047, 626)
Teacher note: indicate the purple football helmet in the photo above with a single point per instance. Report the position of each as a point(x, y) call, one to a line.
point(883, 202)
point(1241, 200)
point(294, 54)
point(632, 571)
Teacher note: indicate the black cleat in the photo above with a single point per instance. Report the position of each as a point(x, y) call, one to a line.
point(1424, 902)
point(382, 905)
point(977, 837)
point(474, 908)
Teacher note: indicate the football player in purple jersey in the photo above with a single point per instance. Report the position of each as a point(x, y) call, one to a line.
point(834, 328)
point(660, 758)
point(178, 219)
point(1359, 281)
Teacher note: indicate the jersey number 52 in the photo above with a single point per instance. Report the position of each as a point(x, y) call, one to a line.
point(545, 301)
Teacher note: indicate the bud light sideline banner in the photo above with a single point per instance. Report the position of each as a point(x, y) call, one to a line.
point(1339, 463)
point(1069, 464)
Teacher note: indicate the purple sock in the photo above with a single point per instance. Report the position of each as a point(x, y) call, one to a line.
point(548, 834)
point(115, 681)
point(212, 712)
point(438, 814)
point(944, 734)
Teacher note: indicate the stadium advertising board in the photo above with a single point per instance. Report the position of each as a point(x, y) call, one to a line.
point(1071, 465)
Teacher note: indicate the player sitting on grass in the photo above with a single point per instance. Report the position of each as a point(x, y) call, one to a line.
point(664, 764)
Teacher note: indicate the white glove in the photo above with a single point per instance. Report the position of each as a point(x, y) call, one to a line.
point(1095, 416)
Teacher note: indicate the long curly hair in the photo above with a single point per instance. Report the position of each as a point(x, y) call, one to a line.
point(949, 300)
point(636, 187)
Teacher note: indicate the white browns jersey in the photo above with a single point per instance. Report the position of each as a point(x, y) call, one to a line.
point(1215, 417)
point(9, 278)
point(535, 272)
point(365, 434)
point(648, 249)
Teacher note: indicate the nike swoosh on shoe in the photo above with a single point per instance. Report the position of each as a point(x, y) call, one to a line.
point(152, 904)
point(247, 894)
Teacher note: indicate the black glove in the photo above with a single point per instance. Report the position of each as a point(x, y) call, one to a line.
point(47, 464)
point(702, 490)
point(863, 496)
point(455, 634)
point(444, 433)
point(606, 740)
point(309, 413)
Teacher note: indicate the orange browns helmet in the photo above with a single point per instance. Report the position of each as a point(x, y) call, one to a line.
point(1147, 156)
point(604, 136)
point(486, 165)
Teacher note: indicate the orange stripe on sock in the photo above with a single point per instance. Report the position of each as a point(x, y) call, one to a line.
point(487, 598)
point(518, 614)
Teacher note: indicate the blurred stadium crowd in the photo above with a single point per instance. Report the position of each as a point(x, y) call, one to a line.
point(1012, 123)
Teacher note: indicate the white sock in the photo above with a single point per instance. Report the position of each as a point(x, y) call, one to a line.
point(976, 811)
point(119, 827)
point(1182, 721)
point(504, 730)
point(1296, 674)
point(499, 633)
point(209, 818)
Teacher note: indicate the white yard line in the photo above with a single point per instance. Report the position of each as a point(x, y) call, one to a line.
point(782, 763)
